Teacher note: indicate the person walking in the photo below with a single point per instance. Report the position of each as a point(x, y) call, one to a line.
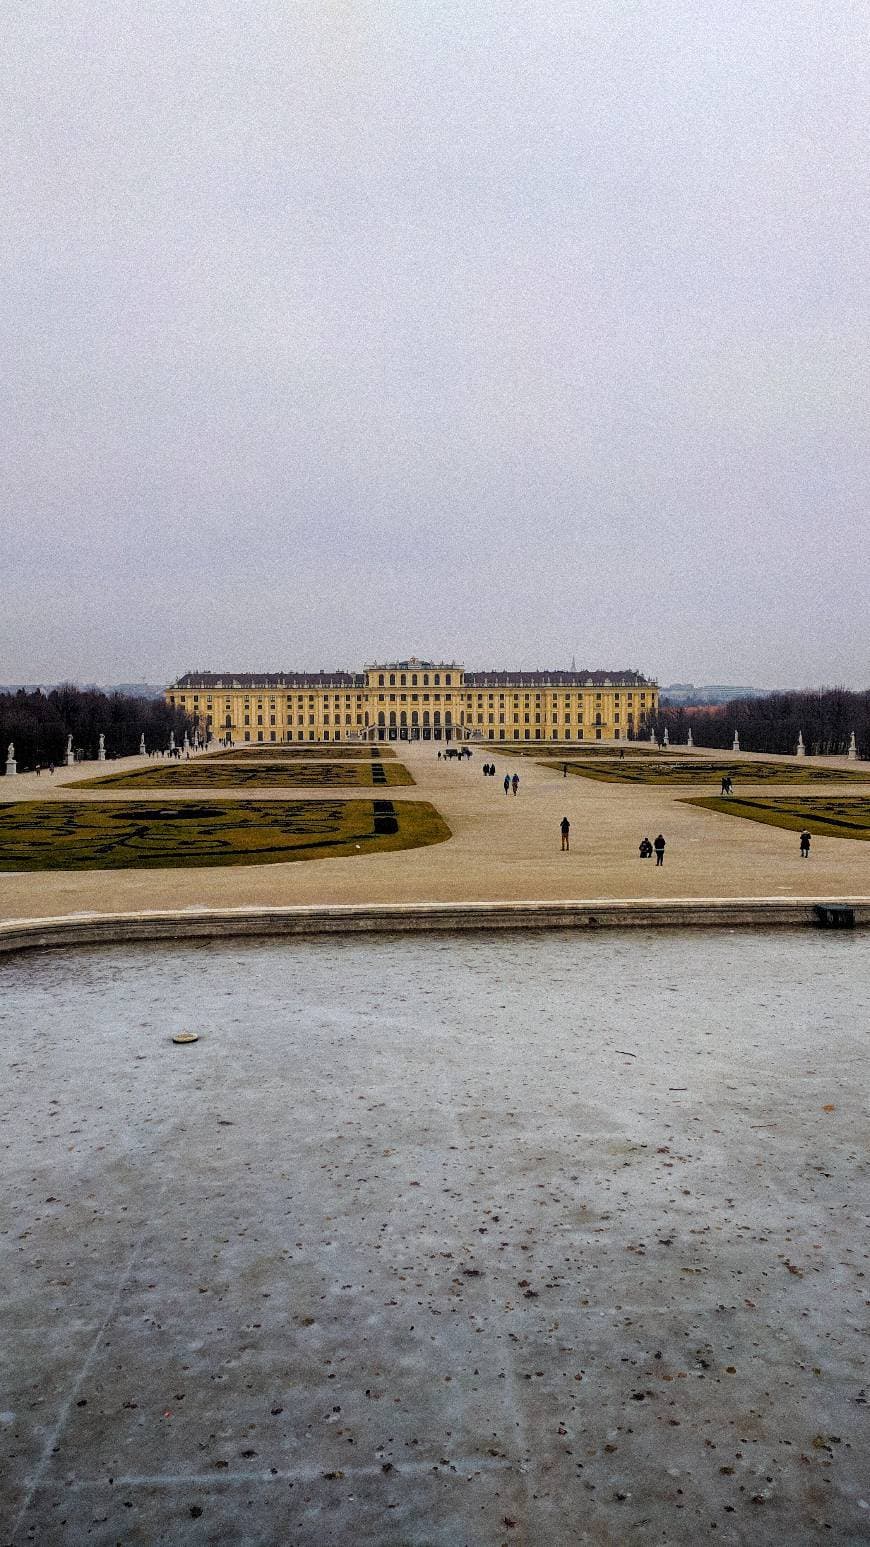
point(805, 845)
point(515, 783)
point(565, 828)
point(659, 846)
point(564, 770)
point(507, 784)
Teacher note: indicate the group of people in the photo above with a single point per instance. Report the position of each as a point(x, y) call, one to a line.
point(648, 847)
point(657, 847)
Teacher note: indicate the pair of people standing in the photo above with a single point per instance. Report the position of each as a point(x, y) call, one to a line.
point(511, 783)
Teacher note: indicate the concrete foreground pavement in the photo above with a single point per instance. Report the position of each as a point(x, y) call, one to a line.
point(508, 1242)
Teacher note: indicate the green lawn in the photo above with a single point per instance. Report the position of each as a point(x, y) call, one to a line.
point(824, 816)
point(122, 835)
point(701, 771)
point(219, 773)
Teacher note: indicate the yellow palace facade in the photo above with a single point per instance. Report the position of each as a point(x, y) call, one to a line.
point(416, 700)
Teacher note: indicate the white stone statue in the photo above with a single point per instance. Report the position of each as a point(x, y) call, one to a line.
point(800, 750)
point(11, 765)
point(101, 749)
point(142, 749)
point(689, 741)
point(735, 745)
point(172, 741)
point(652, 735)
point(666, 740)
point(852, 753)
point(70, 755)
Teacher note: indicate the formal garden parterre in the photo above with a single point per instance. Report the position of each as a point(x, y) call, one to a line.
point(218, 773)
point(823, 816)
point(117, 835)
point(706, 771)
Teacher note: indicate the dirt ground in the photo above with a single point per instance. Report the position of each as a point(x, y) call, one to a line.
point(503, 847)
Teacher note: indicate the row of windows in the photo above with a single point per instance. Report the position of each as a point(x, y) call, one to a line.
point(392, 729)
point(415, 676)
point(564, 706)
point(337, 697)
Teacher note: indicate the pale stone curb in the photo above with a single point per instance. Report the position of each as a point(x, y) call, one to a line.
point(408, 918)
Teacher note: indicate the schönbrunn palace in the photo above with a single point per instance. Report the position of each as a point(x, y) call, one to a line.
point(416, 700)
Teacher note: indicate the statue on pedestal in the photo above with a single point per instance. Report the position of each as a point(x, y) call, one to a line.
point(735, 745)
point(852, 753)
point(800, 750)
point(101, 749)
point(70, 755)
point(11, 765)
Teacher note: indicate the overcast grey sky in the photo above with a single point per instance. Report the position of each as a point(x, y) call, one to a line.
point(510, 331)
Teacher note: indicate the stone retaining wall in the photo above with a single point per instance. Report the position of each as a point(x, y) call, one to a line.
point(382, 918)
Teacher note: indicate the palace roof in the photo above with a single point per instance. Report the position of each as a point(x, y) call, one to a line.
point(295, 680)
point(269, 680)
point(556, 679)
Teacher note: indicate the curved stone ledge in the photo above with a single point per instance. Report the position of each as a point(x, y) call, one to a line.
point(386, 918)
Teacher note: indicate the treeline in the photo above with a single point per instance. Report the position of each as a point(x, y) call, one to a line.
point(38, 724)
point(826, 719)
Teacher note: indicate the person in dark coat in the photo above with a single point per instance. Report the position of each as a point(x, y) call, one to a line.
point(659, 846)
point(645, 849)
point(507, 784)
point(805, 845)
point(565, 829)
